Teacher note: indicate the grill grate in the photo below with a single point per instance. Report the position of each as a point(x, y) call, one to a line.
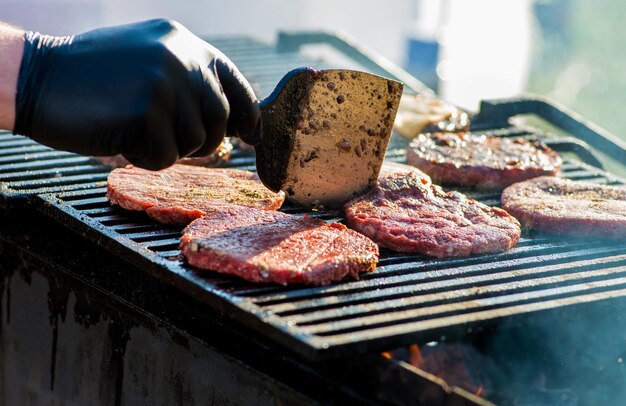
point(410, 297)
point(28, 168)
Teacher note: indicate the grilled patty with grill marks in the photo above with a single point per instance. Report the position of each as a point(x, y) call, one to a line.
point(269, 246)
point(407, 213)
point(566, 207)
point(182, 193)
point(486, 162)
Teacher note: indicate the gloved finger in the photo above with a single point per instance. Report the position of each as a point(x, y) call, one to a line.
point(190, 132)
point(215, 112)
point(245, 117)
point(159, 152)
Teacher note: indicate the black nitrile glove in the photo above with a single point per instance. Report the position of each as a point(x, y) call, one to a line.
point(152, 91)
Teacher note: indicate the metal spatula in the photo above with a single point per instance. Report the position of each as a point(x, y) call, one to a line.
point(325, 134)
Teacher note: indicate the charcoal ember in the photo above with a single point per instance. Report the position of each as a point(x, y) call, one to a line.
point(458, 364)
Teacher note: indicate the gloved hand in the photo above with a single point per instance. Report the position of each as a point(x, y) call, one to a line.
point(152, 91)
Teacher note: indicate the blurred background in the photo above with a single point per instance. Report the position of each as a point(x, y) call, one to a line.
point(467, 50)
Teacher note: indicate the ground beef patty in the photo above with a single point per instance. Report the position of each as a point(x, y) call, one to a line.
point(406, 213)
point(182, 193)
point(485, 162)
point(394, 167)
point(563, 206)
point(269, 246)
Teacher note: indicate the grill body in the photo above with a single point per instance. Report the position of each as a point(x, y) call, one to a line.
point(410, 298)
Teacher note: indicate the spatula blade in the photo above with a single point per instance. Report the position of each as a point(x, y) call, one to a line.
point(325, 134)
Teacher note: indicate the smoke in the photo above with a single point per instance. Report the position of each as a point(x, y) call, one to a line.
point(573, 355)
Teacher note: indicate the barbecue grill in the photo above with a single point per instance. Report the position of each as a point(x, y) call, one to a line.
point(410, 298)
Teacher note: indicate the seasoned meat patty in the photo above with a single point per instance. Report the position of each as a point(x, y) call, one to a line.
point(182, 193)
point(269, 246)
point(486, 162)
point(220, 156)
point(394, 167)
point(406, 213)
point(563, 206)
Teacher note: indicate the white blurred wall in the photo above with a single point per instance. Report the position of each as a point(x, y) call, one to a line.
point(485, 50)
point(485, 44)
point(381, 25)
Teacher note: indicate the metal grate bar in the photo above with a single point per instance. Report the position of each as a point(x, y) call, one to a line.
point(406, 285)
point(169, 254)
point(20, 151)
point(491, 308)
point(154, 236)
point(481, 284)
point(70, 187)
point(32, 156)
point(91, 202)
point(455, 307)
point(47, 173)
point(67, 180)
point(129, 228)
point(73, 195)
point(16, 142)
point(112, 219)
point(26, 166)
point(5, 136)
point(569, 166)
point(157, 245)
point(99, 211)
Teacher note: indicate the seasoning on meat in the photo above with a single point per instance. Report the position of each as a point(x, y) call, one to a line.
point(182, 193)
point(566, 207)
point(486, 162)
point(406, 213)
point(269, 246)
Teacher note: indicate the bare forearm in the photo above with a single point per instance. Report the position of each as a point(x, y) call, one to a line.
point(11, 50)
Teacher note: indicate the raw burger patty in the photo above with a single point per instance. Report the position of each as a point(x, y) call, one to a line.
point(406, 213)
point(562, 206)
point(269, 246)
point(389, 167)
point(182, 193)
point(479, 160)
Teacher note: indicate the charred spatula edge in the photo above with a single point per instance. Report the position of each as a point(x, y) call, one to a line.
point(325, 134)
